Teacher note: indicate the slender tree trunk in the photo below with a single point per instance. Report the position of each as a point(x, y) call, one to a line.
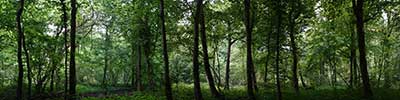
point(218, 75)
point(267, 59)
point(358, 10)
point(19, 50)
point(65, 25)
point(52, 76)
point(356, 72)
point(138, 81)
point(106, 59)
point(386, 51)
point(133, 67)
point(293, 14)
point(294, 55)
point(1, 78)
point(196, 74)
point(207, 65)
point(228, 61)
point(302, 80)
point(249, 63)
point(278, 84)
point(167, 83)
point(29, 69)
point(72, 72)
point(352, 59)
point(149, 68)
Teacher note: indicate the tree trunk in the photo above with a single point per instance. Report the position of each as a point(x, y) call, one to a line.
point(52, 76)
point(302, 80)
point(358, 10)
point(149, 68)
point(278, 84)
point(267, 59)
point(106, 59)
point(293, 14)
point(72, 72)
point(249, 63)
point(228, 61)
point(352, 59)
point(65, 21)
point(207, 65)
point(294, 55)
point(138, 69)
point(133, 67)
point(29, 69)
point(386, 57)
point(167, 83)
point(196, 74)
point(19, 50)
point(356, 72)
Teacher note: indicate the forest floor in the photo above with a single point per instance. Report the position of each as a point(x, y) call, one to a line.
point(185, 92)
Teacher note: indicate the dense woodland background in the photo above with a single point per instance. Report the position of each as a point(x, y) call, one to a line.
point(200, 49)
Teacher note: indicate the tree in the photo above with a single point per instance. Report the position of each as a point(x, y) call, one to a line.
point(249, 62)
point(72, 70)
point(106, 57)
point(228, 59)
point(167, 83)
point(292, 23)
point(196, 74)
point(353, 61)
point(28, 65)
point(358, 11)
point(207, 65)
point(138, 75)
point(65, 33)
point(19, 50)
point(278, 27)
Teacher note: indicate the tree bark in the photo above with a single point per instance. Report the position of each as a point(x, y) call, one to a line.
point(207, 65)
point(358, 10)
point(278, 84)
point(196, 74)
point(228, 61)
point(302, 80)
point(19, 50)
point(294, 55)
point(249, 62)
point(138, 76)
point(65, 25)
point(149, 68)
point(167, 83)
point(267, 59)
point(72, 72)
point(29, 69)
point(54, 68)
point(352, 59)
point(106, 59)
point(133, 66)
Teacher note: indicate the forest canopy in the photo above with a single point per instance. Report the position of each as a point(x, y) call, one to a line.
point(199, 49)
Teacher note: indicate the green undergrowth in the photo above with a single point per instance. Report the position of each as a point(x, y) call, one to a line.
point(185, 92)
point(88, 88)
point(134, 96)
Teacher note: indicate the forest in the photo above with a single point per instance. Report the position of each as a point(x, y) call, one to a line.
point(199, 49)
